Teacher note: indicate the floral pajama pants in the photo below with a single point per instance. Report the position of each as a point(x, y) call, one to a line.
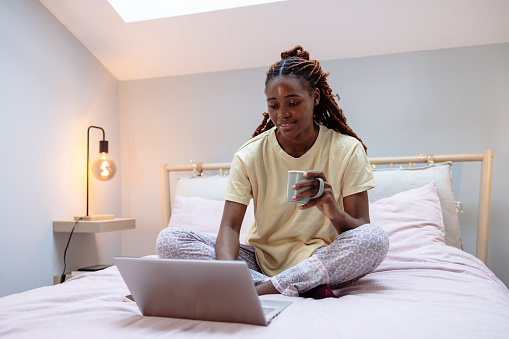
point(352, 255)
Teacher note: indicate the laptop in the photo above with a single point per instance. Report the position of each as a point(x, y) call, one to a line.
point(212, 290)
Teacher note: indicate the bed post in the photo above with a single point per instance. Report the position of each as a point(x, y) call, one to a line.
point(484, 206)
point(165, 192)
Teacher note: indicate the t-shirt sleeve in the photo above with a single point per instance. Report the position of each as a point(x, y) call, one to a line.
point(238, 188)
point(358, 176)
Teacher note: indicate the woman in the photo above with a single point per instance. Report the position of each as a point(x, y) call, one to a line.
point(295, 249)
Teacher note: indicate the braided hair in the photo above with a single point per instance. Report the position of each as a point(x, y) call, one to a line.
point(296, 63)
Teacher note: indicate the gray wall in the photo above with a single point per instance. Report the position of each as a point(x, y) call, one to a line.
point(51, 90)
point(441, 102)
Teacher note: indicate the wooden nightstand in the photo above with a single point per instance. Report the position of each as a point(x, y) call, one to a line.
point(100, 226)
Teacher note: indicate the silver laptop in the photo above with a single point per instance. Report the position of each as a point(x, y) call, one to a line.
point(212, 290)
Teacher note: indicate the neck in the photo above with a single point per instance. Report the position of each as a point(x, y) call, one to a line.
point(297, 147)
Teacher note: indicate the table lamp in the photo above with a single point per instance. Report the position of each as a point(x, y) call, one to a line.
point(103, 169)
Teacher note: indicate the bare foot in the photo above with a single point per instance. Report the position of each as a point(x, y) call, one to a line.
point(266, 288)
point(319, 292)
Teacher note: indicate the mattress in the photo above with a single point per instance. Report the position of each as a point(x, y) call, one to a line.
point(435, 291)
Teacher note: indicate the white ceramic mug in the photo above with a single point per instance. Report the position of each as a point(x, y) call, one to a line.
point(293, 178)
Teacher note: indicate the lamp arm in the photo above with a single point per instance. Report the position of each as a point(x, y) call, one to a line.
point(88, 154)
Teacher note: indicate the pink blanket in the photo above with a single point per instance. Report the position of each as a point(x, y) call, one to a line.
point(435, 291)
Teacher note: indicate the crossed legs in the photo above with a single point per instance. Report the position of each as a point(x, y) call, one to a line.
point(352, 255)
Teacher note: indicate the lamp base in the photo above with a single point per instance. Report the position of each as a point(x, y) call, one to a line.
point(96, 217)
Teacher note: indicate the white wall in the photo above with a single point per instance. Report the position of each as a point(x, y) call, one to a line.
point(444, 101)
point(51, 90)
point(203, 117)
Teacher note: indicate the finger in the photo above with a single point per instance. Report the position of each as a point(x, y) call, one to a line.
point(311, 203)
point(304, 183)
point(314, 174)
point(312, 190)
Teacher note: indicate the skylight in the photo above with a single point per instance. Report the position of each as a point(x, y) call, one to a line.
point(141, 10)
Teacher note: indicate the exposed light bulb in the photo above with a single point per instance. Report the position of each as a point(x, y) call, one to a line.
point(104, 168)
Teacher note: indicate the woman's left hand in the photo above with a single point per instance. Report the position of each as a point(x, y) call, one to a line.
point(356, 206)
point(326, 203)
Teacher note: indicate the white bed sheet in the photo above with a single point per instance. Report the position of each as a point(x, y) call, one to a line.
point(436, 291)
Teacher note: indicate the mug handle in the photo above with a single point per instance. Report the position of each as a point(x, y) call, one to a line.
point(320, 190)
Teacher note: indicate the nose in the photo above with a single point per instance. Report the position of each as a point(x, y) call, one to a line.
point(283, 114)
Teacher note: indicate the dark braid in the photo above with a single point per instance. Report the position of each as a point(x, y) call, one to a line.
point(296, 63)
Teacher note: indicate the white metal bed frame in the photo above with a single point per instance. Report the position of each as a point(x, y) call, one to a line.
point(486, 159)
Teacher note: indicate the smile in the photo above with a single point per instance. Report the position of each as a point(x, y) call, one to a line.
point(286, 124)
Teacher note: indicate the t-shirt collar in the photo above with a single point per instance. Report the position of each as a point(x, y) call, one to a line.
point(310, 153)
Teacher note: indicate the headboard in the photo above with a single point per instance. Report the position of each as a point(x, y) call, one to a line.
point(485, 158)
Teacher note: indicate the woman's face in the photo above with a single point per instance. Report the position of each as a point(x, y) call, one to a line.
point(290, 107)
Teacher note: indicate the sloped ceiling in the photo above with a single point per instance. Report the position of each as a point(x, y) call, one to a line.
point(255, 36)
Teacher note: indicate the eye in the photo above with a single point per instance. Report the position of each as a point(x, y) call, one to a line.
point(294, 103)
point(273, 106)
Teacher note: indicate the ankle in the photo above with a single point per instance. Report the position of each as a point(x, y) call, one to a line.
point(266, 288)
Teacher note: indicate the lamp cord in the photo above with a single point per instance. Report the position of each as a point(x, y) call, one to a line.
point(62, 277)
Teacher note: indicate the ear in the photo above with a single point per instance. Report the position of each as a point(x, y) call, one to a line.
point(316, 96)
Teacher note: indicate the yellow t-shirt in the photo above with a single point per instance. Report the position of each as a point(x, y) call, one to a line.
point(283, 235)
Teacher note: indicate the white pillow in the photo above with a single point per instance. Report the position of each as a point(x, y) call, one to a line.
point(212, 187)
point(204, 215)
point(396, 180)
point(389, 182)
point(411, 219)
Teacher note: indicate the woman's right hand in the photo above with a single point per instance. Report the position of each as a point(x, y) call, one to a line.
point(228, 244)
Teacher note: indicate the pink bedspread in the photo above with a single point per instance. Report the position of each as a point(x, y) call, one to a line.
point(433, 292)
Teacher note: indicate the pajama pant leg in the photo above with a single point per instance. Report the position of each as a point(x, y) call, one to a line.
point(352, 255)
point(181, 243)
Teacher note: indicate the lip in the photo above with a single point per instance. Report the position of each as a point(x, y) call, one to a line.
point(286, 125)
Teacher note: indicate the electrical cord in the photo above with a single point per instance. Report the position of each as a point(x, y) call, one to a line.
point(62, 277)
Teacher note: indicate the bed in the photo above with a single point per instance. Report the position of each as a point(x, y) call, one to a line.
point(427, 287)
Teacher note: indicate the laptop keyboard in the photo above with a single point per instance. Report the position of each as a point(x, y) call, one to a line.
point(267, 309)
